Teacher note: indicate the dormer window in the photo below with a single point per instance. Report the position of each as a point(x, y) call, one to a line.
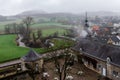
point(108, 60)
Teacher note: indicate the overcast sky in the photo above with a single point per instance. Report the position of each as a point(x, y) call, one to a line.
point(11, 7)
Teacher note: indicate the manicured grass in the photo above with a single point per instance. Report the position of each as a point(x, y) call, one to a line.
point(9, 50)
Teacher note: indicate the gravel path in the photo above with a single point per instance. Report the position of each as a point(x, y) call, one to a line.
point(21, 44)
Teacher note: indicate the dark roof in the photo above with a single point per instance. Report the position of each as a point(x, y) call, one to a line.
point(99, 50)
point(115, 39)
point(31, 56)
point(104, 39)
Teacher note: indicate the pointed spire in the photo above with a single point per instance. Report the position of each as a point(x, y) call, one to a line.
point(86, 17)
point(86, 20)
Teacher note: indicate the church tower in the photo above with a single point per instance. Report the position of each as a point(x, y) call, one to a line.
point(86, 21)
point(87, 27)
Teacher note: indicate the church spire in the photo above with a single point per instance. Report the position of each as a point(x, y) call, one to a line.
point(86, 21)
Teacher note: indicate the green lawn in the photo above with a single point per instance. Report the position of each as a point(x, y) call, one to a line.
point(9, 50)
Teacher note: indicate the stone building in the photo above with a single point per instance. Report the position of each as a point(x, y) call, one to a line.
point(32, 61)
point(103, 59)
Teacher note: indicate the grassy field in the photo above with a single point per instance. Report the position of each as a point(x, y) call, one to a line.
point(49, 31)
point(46, 31)
point(48, 24)
point(2, 24)
point(36, 25)
point(9, 50)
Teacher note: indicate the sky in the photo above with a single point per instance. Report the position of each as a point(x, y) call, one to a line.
point(12, 7)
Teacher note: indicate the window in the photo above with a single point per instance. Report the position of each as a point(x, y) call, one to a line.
point(99, 66)
point(36, 66)
point(108, 60)
point(115, 73)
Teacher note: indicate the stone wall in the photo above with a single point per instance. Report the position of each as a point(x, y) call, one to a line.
point(103, 68)
point(115, 72)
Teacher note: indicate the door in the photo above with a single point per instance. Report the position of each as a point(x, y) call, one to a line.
point(104, 72)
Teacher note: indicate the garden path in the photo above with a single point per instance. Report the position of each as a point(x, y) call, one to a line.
point(19, 41)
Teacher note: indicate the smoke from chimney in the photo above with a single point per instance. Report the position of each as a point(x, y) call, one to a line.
point(85, 31)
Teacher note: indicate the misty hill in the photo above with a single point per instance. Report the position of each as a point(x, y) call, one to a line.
point(31, 13)
point(40, 13)
point(104, 13)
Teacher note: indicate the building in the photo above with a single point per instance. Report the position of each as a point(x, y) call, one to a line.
point(103, 59)
point(32, 60)
point(110, 39)
point(114, 40)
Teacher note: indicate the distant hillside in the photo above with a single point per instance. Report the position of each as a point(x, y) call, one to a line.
point(31, 13)
point(104, 13)
point(40, 13)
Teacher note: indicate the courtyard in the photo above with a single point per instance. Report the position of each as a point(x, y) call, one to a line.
point(77, 71)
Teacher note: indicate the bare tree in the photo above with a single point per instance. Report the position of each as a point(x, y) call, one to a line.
point(56, 34)
point(7, 29)
point(15, 31)
point(21, 29)
point(11, 28)
point(34, 38)
point(27, 22)
point(32, 70)
point(72, 32)
point(39, 33)
point(62, 67)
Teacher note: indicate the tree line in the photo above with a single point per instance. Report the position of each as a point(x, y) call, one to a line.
point(30, 38)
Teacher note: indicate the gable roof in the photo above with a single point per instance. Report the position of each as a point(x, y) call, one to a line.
point(104, 39)
point(115, 39)
point(31, 56)
point(99, 50)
